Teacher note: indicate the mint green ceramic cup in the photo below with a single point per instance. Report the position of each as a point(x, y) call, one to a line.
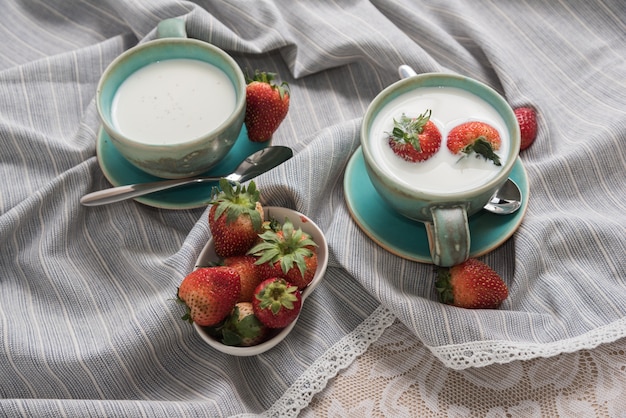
point(181, 159)
point(444, 213)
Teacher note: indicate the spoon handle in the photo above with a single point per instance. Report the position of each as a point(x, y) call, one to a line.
point(117, 194)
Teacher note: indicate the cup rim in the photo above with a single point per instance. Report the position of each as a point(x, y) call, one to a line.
point(240, 102)
point(440, 79)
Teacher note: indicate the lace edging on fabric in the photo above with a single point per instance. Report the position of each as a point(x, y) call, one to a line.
point(485, 353)
point(338, 357)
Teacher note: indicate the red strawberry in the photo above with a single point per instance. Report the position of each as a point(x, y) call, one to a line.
point(471, 284)
point(527, 119)
point(242, 328)
point(277, 302)
point(235, 219)
point(209, 294)
point(250, 274)
point(478, 137)
point(292, 252)
point(415, 139)
point(266, 106)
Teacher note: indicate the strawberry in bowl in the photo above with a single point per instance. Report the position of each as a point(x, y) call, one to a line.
point(259, 322)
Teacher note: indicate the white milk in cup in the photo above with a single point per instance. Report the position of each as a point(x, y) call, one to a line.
point(173, 101)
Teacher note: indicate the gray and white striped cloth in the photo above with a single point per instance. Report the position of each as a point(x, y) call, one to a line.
point(88, 325)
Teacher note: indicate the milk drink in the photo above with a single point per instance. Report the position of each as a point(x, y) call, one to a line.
point(173, 101)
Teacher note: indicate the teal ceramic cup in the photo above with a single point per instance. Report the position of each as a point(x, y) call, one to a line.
point(183, 158)
point(443, 210)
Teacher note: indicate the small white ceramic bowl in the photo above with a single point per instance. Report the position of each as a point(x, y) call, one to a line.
point(299, 221)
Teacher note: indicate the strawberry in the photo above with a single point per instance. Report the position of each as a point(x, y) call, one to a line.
point(475, 137)
point(266, 106)
point(235, 219)
point(415, 139)
point(527, 120)
point(209, 294)
point(250, 274)
point(292, 253)
point(276, 302)
point(242, 328)
point(471, 284)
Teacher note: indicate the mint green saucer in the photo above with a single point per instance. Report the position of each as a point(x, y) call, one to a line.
point(118, 171)
point(406, 238)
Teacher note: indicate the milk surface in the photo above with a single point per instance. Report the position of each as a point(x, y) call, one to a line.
point(173, 101)
point(444, 172)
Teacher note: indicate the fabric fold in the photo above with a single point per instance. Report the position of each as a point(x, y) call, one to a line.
point(88, 320)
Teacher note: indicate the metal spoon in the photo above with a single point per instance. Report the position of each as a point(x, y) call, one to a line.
point(508, 198)
point(254, 165)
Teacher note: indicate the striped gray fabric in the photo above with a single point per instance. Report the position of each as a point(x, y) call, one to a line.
point(88, 324)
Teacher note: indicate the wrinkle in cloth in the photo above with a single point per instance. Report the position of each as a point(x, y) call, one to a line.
point(88, 321)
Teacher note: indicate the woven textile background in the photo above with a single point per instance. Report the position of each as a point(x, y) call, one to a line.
point(88, 321)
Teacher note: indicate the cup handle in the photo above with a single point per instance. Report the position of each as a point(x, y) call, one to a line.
point(448, 235)
point(171, 28)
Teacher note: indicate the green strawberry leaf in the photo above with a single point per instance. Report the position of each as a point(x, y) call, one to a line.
point(231, 337)
point(483, 148)
point(249, 327)
point(408, 130)
point(443, 286)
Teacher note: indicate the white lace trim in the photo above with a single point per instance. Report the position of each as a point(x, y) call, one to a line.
point(460, 356)
point(484, 353)
point(338, 357)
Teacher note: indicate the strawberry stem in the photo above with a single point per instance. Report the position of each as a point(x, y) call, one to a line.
point(481, 146)
point(267, 77)
point(277, 295)
point(289, 247)
point(443, 286)
point(408, 129)
point(236, 201)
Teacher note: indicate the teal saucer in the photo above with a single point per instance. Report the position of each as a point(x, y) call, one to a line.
point(119, 171)
point(406, 238)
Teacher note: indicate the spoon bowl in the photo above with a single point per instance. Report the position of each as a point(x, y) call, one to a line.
point(254, 165)
point(506, 200)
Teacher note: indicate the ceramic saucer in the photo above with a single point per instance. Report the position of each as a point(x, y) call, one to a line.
point(119, 171)
point(407, 238)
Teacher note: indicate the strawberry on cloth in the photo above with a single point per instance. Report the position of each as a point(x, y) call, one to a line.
point(527, 120)
point(471, 284)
